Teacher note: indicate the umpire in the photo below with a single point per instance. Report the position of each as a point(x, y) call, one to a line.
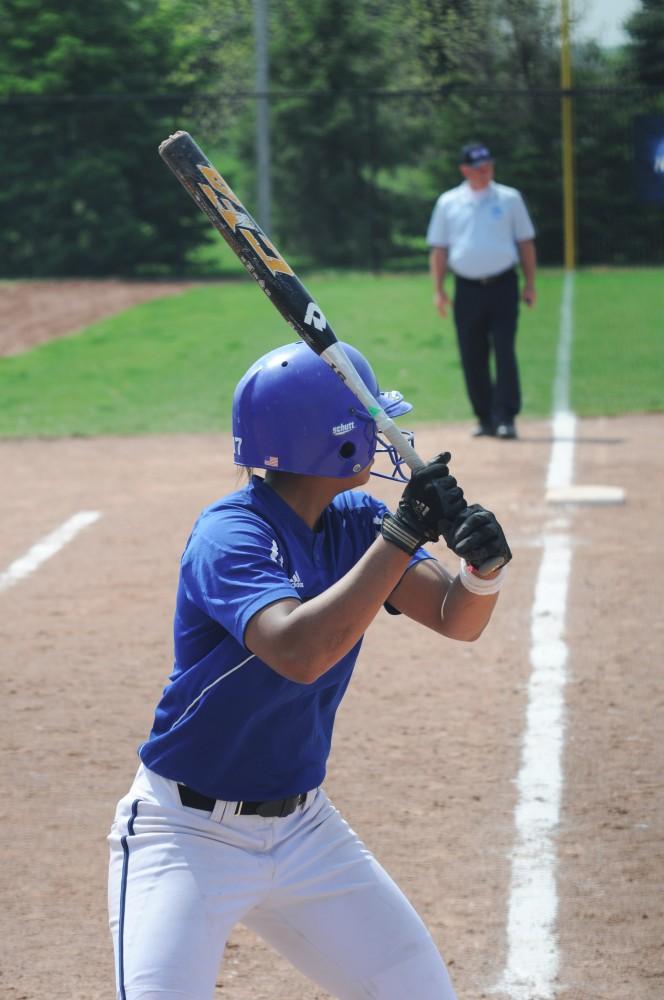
point(480, 230)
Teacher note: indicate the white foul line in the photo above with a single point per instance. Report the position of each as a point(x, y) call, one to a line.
point(532, 946)
point(47, 547)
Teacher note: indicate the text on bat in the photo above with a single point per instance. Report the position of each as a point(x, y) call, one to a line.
point(234, 214)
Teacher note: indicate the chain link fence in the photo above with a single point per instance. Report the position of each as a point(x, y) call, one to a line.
point(354, 176)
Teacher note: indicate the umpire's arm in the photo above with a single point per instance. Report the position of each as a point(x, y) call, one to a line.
point(438, 269)
point(528, 258)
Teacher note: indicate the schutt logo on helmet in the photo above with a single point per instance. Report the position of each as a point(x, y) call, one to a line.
point(343, 428)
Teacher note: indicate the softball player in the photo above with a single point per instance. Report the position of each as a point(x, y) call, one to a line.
point(226, 820)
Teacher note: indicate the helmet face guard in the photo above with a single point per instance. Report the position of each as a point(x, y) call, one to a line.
point(292, 413)
point(400, 469)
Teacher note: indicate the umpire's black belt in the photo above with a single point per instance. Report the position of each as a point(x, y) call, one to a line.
point(268, 807)
point(490, 280)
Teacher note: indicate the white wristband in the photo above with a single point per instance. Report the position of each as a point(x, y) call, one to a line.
point(481, 585)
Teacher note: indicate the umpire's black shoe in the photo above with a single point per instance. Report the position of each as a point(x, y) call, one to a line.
point(506, 431)
point(483, 430)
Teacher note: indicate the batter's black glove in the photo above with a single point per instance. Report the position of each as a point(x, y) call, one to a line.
point(478, 537)
point(429, 507)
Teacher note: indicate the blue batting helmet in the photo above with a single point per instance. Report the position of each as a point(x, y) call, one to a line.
point(292, 413)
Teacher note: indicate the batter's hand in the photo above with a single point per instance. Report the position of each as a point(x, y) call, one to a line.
point(430, 505)
point(529, 295)
point(478, 538)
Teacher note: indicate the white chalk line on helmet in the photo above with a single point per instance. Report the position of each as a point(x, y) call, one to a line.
point(47, 547)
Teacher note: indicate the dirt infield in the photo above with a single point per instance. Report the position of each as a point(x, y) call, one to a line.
point(428, 738)
point(36, 311)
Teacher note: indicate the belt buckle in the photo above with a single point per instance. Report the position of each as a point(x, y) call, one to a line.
point(276, 807)
point(280, 807)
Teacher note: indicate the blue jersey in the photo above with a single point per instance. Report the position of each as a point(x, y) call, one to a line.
point(227, 724)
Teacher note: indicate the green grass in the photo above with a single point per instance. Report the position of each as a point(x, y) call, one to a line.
point(170, 365)
point(618, 352)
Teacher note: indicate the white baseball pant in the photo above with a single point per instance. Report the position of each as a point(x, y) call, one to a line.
point(180, 879)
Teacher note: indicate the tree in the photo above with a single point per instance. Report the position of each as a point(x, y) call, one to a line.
point(84, 191)
point(450, 39)
point(646, 46)
point(329, 133)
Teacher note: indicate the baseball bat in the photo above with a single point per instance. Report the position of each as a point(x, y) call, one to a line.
point(264, 263)
point(274, 275)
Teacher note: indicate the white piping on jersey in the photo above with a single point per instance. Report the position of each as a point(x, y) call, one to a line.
point(205, 690)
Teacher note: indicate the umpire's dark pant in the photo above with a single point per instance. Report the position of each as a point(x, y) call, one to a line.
point(485, 315)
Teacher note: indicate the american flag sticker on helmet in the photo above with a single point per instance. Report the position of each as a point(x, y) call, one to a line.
point(271, 462)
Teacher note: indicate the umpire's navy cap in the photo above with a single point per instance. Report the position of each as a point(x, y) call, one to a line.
point(474, 154)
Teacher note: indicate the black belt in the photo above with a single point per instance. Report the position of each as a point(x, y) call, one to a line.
point(268, 807)
point(486, 281)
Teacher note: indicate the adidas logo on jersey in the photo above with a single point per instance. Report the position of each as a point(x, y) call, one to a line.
point(296, 581)
point(343, 428)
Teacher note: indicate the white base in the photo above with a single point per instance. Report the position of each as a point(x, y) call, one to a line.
point(586, 494)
